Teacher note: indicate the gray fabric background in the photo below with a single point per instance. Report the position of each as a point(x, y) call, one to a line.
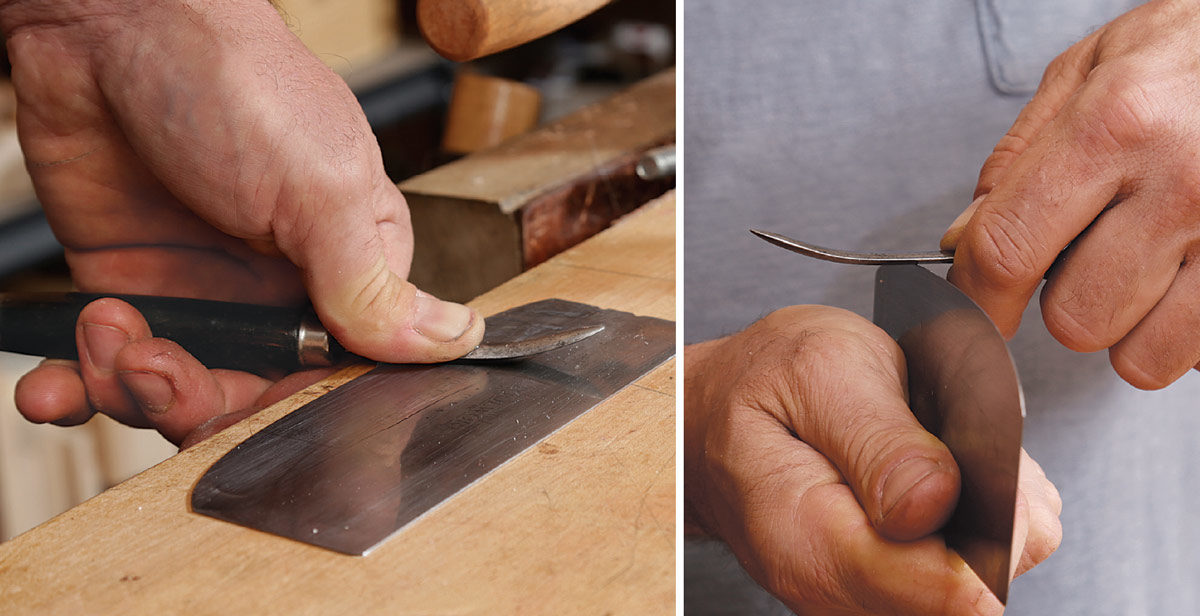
point(863, 124)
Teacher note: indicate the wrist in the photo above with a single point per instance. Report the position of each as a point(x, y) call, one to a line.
point(697, 383)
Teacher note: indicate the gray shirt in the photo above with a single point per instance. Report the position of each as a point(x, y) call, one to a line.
point(863, 124)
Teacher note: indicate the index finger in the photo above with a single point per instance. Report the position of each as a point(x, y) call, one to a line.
point(1050, 194)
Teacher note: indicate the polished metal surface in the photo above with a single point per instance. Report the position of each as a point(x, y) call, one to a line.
point(354, 466)
point(963, 387)
point(657, 163)
point(496, 346)
point(312, 342)
point(851, 257)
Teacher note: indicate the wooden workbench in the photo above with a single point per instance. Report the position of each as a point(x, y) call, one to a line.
point(583, 523)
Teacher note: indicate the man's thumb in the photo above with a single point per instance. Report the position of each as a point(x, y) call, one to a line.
point(354, 271)
point(383, 317)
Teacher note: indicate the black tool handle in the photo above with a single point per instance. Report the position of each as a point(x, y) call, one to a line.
point(262, 339)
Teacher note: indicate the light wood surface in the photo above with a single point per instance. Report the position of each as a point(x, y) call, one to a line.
point(582, 523)
point(463, 30)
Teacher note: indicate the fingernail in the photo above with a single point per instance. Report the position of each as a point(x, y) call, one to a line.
point(903, 478)
point(441, 321)
point(954, 231)
point(152, 391)
point(103, 344)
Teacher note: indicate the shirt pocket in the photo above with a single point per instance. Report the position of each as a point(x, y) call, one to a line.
point(1020, 37)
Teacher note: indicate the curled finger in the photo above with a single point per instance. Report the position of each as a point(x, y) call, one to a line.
point(176, 393)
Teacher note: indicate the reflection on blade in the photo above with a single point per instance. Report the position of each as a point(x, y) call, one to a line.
point(354, 466)
point(524, 347)
point(963, 388)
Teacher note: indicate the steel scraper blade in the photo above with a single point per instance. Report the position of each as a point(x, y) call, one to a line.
point(354, 466)
point(963, 387)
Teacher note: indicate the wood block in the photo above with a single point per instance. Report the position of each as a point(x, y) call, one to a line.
point(582, 523)
point(485, 218)
point(486, 110)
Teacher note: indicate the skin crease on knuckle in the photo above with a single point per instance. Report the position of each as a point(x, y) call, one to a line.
point(1146, 368)
point(1123, 108)
point(1003, 248)
point(1008, 148)
point(803, 360)
point(1079, 310)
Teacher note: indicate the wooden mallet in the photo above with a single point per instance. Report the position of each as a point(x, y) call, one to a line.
point(463, 30)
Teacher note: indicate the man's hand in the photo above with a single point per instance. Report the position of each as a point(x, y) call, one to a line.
point(195, 148)
point(144, 382)
point(1103, 163)
point(800, 452)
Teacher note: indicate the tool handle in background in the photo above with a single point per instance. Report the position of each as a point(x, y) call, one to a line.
point(261, 339)
point(463, 30)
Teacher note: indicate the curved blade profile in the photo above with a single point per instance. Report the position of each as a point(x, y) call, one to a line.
point(963, 387)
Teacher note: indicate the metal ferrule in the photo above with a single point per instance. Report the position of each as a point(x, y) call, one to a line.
point(312, 342)
point(657, 163)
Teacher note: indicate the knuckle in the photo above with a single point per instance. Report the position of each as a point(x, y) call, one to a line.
point(871, 441)
point(807, 361)
point(1073, 318)
point(1148, 369)
point(368, 311)
point(1011, 144)
point(1064, 67)
point(787, 370)
point(326, 190)
point(341, 183)
point(349, 169)
point(1123, 110)
point(993, 170)
point(807, 337)
point(1004, 249)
